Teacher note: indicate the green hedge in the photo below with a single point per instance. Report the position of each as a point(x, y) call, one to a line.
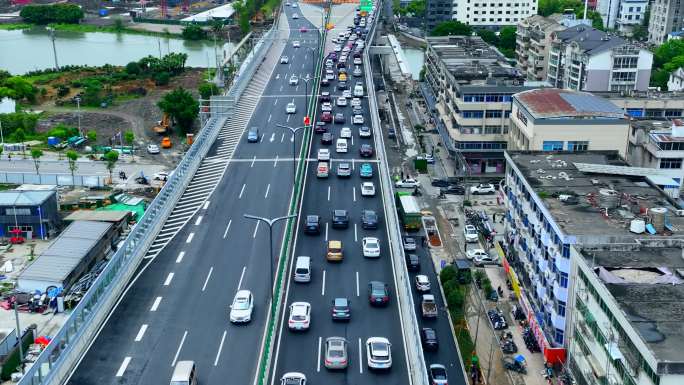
point(456, 295)
point(56, 13)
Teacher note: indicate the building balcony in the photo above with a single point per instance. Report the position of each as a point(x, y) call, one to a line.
point(543, 264)
point(557, 320)
point(562, 264)
point(559, 292)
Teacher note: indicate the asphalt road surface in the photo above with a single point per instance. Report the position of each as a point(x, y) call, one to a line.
point(178, 307)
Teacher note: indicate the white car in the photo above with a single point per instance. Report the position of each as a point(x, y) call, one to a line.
point(294, 80)
point(295, 44)
point(161, 175)
point(355, 102)
point(300, 316)
point(407, 183)
point(341, 102)
point(295, 16)
point(357, 71)
point(483, 188)
point(346, 133)
point(422, 283)
point(484, 260)
point(294, 5)
point(367, 189)
point(357, 119)
point(347, 94)
point(378, 353)
point(337, 48)
point(470, 233)
point(476, 253)
point(330, 75)
point(357, 61)
point(371, 247)
point(365, 132)
point(323, 154)
point(284, 60)
point(241, 309)
point(152, 149)
point(291, 108)
point(326, 106)
point(293, 378)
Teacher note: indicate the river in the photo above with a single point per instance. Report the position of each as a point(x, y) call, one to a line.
point(26, 50)
point(415, 58)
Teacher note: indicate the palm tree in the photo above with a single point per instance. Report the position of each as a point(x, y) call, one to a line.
point(36, 154)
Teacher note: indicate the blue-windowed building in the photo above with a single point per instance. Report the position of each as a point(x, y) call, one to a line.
point(34, 213)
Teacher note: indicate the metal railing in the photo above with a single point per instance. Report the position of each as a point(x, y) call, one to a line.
point(412, 343)
point(59, 358)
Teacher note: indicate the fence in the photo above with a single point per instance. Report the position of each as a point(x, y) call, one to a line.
point(53, 179)
point(58, 359)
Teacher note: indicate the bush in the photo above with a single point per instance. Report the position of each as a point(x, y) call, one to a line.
point(162, 78)
point(450, 286)
point(447, 273)
point(18, 120)
point(193, 32)
point(92, 93)
point(63, 90)
point(56, 13)
point(133, 68)
point(455, 300)
point(207, 89)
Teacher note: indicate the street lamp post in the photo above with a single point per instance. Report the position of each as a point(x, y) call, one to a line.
point(270, 222)
point(294, 149)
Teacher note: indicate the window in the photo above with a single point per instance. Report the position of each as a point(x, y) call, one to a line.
point(552, 146)
point(472, 114)
point(671, 163)
point(560, 309)
point(578, 145)
point(17, 211)
point(492, 130)
point(559, 336)
point(493, 114)
point(563, 281)
point(624, 76)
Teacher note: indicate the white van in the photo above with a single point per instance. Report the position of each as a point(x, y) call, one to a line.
point(358, 90)
point(302, 272)
point(184, 373)
point(341, 145)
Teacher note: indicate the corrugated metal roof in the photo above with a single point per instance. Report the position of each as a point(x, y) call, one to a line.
point(557, 103)
point(99, 215)
point(24, 198)
point(66, 252)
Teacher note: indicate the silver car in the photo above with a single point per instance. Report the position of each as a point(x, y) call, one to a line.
point(336, 356)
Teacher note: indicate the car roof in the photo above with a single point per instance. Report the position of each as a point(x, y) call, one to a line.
point(422, 278)
point(342, 301)
point(377, 340)
point(243, 293)
point(340, 212)
point(335, 244)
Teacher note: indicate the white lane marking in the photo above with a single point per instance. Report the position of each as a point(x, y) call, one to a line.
point(326, 231)
point(269, 118)
point(281, 87)
point(272, 137)
point(275, 163)
point(141, 333)
point(352, 138)
point(225, 233)
point(242, 190)
point(169, 277)
point(276, 102)
point(360, 357)
point(303, 65)
point(198, 221)
point(175, 358)
point(267, 189)
point(262, 138)
point(352, 164)
point(292, 138)
point(323, 286)
point(318, 357)
point(180, 257)
point(156, 303)
point(255, 229)
point(288, 118)
point(218, 354)
point(123, 366)
point(253, 160)
point(356, 238)
point(244, 268)
point(354, 193)
point(211, 270)
point(328, 192)
point(282, 138)
point(192, 235)
point(277, 76)
point(206, 204)
point(358, 293)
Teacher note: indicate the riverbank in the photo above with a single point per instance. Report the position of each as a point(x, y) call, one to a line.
point(173, 31)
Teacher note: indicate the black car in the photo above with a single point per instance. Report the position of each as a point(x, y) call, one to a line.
point(369, 219)
point(341, 309)
point(327, 138)
point(378, 293)
point(312, 224)
point(409, 243)
point(325, 96)
point(440, 183)
point(339, 117)
point(366, 150)
point(321, 127)
point(412, 262)
point(325, 82)
point(428, 337)
point(342, 86)
point(340, 219)
point(453, 189)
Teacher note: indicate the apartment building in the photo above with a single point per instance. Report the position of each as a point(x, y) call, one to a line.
point(622, 15)
point(473, 84)
point(562, 120)
point(586, 59)
point(649, 104)
point(494, 12)
point(558, 201)
point(667, 16)
point(627, 327)
point(532, 42)
point(438, 11)
point(676, 80)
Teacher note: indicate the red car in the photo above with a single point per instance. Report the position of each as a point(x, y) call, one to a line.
point(327, 117)
point(303, 29)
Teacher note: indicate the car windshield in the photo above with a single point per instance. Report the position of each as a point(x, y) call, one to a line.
point(241, 304)
point(378, 290)
point(372, 245)
point(379, 350)
point(439, 374)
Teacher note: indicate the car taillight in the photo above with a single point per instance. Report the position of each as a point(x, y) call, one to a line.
point(385, 298)
point(343, 362)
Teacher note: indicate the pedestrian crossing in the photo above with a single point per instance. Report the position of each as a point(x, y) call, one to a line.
point(213, 167)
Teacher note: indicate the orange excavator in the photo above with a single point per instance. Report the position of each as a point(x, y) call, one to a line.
point(162, 126)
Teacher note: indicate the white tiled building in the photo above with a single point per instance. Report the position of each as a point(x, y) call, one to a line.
point(494, 12)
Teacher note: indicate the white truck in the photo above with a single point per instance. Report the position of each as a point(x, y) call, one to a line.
point(428, 306)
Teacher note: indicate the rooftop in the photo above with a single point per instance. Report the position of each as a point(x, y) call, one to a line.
point(470, 57)
point(589, 39)
point(647, 284)
point(554, 103)
point(578, 201)
point(24, 198)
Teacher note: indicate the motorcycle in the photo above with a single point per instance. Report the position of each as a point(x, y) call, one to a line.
point(515, 365)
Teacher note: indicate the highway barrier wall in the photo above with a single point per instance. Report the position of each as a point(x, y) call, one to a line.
point(60, 357)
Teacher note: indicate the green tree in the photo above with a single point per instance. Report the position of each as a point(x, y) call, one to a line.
point(488, 36)
point(119, 24)
point(111, 157)
point(129, 137)
point(181, 107)
point(207, 89)
point(133, 68)
point(92, 93)
point(56, 13)
point(193, 32)
point(507, 41)
point(20, 136)
point(36, 154)
point(162, 78)
point(92, 136)
point(216, 26)
point(451, 28)
point(72, 157)
point(19, 88)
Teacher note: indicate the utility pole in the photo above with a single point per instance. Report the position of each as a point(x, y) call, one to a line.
point(159, 47)
point(19, 335)
point(54, 48)
point(78, 109)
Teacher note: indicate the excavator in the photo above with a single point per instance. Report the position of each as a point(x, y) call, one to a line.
point(162, 126)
